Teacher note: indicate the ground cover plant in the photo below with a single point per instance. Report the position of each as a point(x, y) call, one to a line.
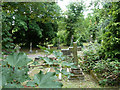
point(15, 72)
point(107, 70)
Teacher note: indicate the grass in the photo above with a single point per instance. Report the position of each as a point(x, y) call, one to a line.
point(89, 82)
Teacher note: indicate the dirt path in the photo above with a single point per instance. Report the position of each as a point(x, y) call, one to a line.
point(33, 56)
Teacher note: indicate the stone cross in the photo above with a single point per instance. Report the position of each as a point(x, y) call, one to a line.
point(75, 53)
point(30, 47)
point(58, 46)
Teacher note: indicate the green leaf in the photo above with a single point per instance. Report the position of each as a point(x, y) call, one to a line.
point(35, 63)
point(57, 54)
point(67, 64)
point(65, 72)
point(31, 83)
point(48, 61)
point(18, 59)
point(46, 49)
point(14, 85)
point(46, 80)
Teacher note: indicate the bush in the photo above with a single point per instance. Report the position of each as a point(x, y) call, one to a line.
point(91, 55)
point(108, 71)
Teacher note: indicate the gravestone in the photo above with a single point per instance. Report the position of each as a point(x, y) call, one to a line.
point(69, 51)
point(72, 40)
point(58, 46)
point(30, 47)
point(78, 74)
point(17, 48)
point(48, 47)
point(36, 51)
point(66, 51)
point(91, 36)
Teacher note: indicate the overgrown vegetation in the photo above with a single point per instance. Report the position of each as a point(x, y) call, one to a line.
point(17, 66)
point(104, 59)
point(43, 23)
point(15, 71)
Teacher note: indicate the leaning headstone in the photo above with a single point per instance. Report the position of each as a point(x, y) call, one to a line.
point(30, 47)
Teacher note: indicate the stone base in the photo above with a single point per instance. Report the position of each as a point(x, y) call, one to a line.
point(78, 74)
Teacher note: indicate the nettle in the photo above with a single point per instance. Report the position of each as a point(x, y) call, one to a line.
point(15, 71)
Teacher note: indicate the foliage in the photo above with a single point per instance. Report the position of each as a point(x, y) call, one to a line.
point(15, 71)
point(18, 60)
point(111, 38)
point(73, 15)
point(45, 80)
point(59, 59)
point(7, 41)
point(91, 55)
point(109, 71)
point(33, 19)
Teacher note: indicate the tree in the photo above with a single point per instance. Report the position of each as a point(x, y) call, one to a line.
point(111, 38)
point(73, 13)
point(32, 20)
point(7, 41)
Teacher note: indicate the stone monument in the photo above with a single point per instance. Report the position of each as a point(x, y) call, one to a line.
point(30, 47)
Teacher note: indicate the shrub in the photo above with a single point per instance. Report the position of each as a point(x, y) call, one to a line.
point(91, 55)
point(108, 71)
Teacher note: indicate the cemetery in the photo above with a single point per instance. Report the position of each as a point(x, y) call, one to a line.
point(45, 47)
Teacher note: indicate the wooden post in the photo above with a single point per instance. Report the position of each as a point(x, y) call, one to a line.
point(75, 53)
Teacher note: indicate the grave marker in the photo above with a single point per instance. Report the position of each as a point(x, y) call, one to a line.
point(30, 47)
point(78, 74)
point(17, 48)
point(58, 46)
point(75, 60)
point(72, 40)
